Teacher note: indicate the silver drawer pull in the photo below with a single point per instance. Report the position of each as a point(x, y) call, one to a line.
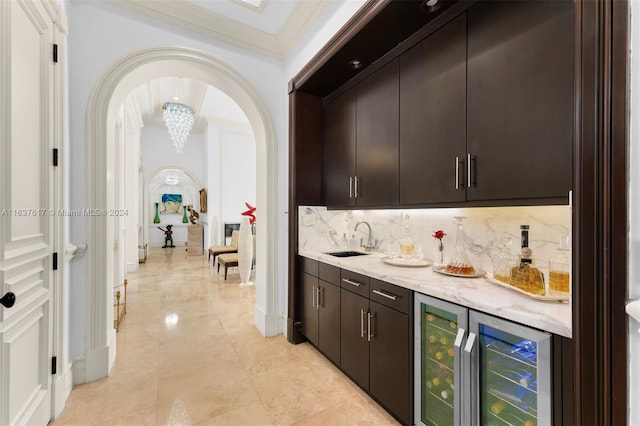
point(351, 282)
point(383, 294)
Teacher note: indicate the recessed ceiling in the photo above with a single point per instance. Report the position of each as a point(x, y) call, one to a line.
point(206, 101)
point(272, 28)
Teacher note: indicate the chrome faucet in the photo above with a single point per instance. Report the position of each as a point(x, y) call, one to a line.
point(370, 243)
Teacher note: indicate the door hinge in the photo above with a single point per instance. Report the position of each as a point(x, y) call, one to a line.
point(55, 157)
point(55, 261)
point(55, 53)
point(54, 365)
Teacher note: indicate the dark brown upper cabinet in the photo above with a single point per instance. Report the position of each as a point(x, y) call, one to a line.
point(361, 145)
point(433, 117)
point(340, 151)
point(520, 100)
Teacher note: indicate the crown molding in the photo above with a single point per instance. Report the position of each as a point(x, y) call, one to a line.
point(188, 16)
point(302, 18)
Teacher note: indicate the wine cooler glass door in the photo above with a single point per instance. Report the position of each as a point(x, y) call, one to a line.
point(440, 331)
point(513, 373)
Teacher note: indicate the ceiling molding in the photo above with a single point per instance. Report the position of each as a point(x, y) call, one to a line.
point(202, 21)
point(304, 15)
point(257, 9)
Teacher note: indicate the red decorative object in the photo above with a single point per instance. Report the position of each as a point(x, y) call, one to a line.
point(439, 235)
point(249, 213)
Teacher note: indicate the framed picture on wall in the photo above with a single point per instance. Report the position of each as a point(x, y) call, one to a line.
point(171, 203)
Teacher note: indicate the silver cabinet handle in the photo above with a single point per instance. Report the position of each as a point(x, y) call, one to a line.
point(362, 323)
point(457, 172)
point(351, 282)
point(468, 170)
point(458, 342)
point(470, 342)
point(383, 294)
point(355, 184)
point(369, 333)
point(313, 297)
point(350, 187)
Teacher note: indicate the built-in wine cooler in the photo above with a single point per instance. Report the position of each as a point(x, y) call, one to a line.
point(475, 369)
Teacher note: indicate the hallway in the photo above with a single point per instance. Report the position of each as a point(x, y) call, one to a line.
point(188, 353)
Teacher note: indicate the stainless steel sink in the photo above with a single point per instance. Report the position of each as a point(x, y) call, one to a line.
point(350, 253)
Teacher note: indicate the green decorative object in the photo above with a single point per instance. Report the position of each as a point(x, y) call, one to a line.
point(185, 219)
point(156, 219)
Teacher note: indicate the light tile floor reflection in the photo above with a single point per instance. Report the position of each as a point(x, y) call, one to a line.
point(189, 354)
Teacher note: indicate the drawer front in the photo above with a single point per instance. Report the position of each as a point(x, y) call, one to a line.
point(309, 266)
point(355, 282)
point(329, 273)
point(393, 296)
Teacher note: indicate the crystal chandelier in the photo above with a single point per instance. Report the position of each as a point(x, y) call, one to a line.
point(179, 121)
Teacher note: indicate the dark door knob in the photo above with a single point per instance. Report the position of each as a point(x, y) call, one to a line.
point(8, 300)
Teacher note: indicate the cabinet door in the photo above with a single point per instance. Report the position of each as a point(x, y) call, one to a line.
point(377, 136)
point(389, 358)
point(510, 373)
point(520, 99)
point(441, 390)
point(329, 321)
point(354, 345)
point(340, 151)
point(433, 117)
point(310, 308)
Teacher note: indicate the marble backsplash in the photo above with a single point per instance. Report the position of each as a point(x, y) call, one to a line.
point(484, 227)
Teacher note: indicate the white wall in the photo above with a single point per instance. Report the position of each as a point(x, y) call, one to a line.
point(99, 34)
point(231, 175)
point(132, 195)
point(634, 217)
point(158, 152)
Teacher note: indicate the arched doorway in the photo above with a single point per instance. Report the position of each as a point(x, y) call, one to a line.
point(110, 91)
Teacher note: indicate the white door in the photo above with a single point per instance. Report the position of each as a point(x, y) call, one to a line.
point(26, 202)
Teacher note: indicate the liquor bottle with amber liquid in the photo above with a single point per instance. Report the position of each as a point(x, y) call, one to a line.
point(524, 275)
point(559, 278)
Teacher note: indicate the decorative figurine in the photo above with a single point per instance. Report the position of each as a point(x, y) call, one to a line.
point(193, 214)
point(167, 236)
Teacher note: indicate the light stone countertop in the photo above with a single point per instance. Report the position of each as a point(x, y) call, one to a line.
point(474, 293)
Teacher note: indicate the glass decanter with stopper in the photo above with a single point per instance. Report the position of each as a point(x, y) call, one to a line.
point(559, 267)
point(459, 263)
point(504, 261)
point(524, 275)
point(407, 245)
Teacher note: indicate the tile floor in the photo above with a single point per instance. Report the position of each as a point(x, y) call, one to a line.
point(188, 354)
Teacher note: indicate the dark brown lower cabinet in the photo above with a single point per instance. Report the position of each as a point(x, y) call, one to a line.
point(321, 315)
point(389, 360)
point(375, 351)
point(354, 352)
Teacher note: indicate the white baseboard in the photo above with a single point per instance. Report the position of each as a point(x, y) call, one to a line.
point(268, 325)
point(131, 267)
point(96, 364)
point(78, 371)
point(178, 244)
point(62, 386)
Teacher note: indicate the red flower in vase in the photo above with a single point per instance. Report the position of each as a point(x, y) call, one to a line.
point(439, 234)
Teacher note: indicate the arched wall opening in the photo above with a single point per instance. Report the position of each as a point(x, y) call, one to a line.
point(109, 93)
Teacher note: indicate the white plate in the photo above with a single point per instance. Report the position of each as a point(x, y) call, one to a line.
point(546, 297)
point(407, 262)
point(440, 269)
